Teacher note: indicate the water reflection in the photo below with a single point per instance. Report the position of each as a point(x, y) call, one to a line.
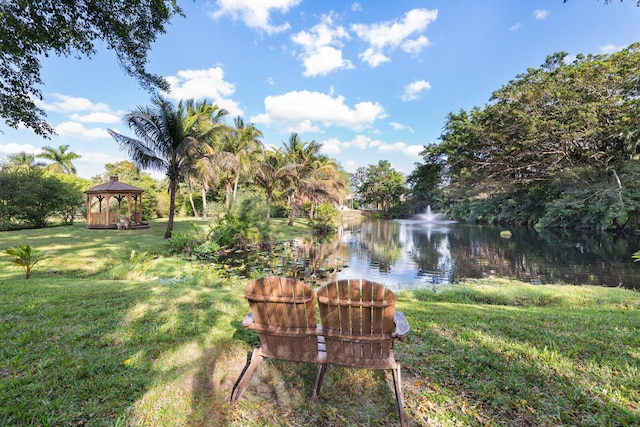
point(418, 254)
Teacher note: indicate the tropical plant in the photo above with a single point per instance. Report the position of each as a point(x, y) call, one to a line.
point(245, 144)
point(61, 158)
point(324, 220)
point(26, 257)
point(166, 137)
point(240, 148)
point(269, 174)
point(198, 166)
point(308, 174)
point(23, 161)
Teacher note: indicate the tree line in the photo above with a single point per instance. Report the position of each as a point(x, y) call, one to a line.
point(558, 146)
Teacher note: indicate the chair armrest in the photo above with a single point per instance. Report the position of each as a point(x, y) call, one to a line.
point(247, 321)
point(402, 325)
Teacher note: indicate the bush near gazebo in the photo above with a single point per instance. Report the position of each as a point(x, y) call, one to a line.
point(29, 198)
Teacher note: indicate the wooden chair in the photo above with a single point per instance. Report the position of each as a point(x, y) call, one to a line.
point(283, 312)
point(360, 324)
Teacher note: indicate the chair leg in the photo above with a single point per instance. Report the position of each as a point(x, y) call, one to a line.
point(397, 382)
point(245, 377)
point(316, 387)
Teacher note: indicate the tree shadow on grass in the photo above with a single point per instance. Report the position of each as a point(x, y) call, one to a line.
point(478, 364)
point(102, 352)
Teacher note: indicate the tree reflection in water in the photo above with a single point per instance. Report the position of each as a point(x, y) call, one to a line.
point(414, 254)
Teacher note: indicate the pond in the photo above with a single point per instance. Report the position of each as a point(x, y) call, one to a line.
point(411, 254)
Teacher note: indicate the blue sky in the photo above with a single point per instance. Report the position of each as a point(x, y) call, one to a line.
point(370, 80)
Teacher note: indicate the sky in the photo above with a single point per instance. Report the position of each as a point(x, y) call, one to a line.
point(369, 80)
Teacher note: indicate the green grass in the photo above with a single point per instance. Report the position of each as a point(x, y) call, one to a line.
point(101, 337)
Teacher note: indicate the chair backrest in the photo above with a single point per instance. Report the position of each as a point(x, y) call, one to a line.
point(358, 322)
point(284, 315)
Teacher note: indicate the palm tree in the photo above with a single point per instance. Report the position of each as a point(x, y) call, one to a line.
point(323, 184)
point(309, 173)
point(235, 153)
point(197, 165)
point(247, 147)
point(23, 161)
point(166, 137)
point(62, 159)
point(270, 174)
point(299, 156)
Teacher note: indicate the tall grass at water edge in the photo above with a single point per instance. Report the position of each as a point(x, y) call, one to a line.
point(158, 348)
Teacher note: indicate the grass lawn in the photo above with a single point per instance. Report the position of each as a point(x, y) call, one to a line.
point(110, 332)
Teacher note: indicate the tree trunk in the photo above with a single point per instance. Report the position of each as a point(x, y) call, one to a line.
point(228, 189)
point(204, 200)
point(172, 206)
point(193, 205)
point(235, 186)
point(293, 210)
point(269, 201)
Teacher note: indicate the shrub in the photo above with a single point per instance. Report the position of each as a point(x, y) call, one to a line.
point(183, 243)
point(29, 197)
point(324, 219)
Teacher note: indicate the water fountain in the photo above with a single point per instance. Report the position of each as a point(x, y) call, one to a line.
point(427, 216)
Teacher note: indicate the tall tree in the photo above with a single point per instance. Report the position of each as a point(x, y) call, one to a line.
point(552, 147)
point(384, 186)
point(23, 161)
point(31, 30)
point(166, 135)
point(234, 153)
point(246, 146)
point(270, 174)
point(310, 175)
point(198, 167)
point(61, 158)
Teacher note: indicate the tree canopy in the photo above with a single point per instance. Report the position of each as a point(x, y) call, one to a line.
point(31, 30)
point(558, 145)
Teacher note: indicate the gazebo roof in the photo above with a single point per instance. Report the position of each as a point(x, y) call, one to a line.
point(114, 186)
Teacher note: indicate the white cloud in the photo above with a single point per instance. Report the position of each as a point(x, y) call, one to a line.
point(255, 14)
point(373, 57)
point(610, 48)
point(331, 146)
point(14, 148)
point(99, 117)
point(356, 7)
point(401, 147)
point(400, 126)
point(413, 150)
point(77, 130)
point(540, 14)
point(415, 46)
point(200, 84)
point(322, 47)
point(387, 36)
point(305, 111)
point(68, 104)
point(515, 26)
point(92, 163)
point(414, 89)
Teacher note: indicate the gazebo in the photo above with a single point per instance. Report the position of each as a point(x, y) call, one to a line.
point(115, 205)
